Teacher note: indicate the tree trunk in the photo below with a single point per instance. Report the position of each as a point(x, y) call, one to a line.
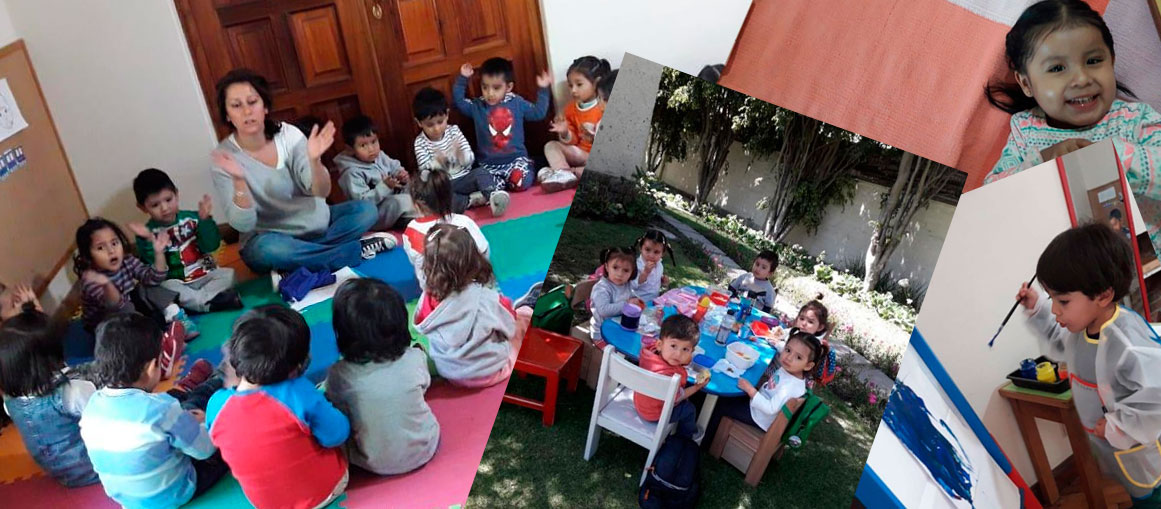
point(807, 154)
point(918, 181)
point(714, 146)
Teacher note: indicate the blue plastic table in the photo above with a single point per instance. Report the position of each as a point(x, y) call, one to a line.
point(629, 343)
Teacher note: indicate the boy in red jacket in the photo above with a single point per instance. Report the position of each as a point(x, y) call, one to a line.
point(669, 355)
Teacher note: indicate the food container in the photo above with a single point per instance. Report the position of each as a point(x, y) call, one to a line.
point(760, 328)
point(720, 299)
point(741, 355)
point(697, 371)
point(630, 316)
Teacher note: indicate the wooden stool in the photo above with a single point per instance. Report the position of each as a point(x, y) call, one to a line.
point(551, 356)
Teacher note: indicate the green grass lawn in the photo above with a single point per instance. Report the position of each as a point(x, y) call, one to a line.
point(528, 465)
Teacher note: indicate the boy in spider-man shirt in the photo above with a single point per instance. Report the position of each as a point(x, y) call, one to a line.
point(499, 116)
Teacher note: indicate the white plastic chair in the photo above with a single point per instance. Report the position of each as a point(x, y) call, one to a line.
point(613, 406)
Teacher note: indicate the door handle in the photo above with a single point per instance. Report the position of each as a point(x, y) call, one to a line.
point(377, 11)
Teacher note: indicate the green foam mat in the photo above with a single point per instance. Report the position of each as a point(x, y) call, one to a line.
point(525, 245)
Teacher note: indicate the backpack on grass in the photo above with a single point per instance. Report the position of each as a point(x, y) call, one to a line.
point(673, 480)
point(812, 412)
point(553, 311)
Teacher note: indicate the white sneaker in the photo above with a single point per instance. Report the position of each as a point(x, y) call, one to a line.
point(499, 202)
point(377, 242)
point(544, 173)
point(559, 180)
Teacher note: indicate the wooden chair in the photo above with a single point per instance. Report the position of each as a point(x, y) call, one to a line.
point(613, 407)
point(750, 449)
point(551, 356)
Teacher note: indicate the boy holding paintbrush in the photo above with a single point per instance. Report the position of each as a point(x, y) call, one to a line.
point(1112, 353)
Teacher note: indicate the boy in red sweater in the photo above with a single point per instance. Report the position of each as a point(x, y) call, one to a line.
point(669, 355)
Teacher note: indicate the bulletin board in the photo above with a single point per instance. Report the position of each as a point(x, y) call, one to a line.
point(40, 203)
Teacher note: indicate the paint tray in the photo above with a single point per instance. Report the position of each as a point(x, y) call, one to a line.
point(1056, 387)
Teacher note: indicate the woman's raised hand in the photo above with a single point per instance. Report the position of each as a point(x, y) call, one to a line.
point(227, 163)
point(320, 140)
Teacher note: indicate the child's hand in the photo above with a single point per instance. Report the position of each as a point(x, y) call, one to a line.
point(390, 182)
point(228, 164)
point(558, 126)
point(636, 301)
point(320, 140)
point(702, 381)
point(1099, 429)
point(205, 207)
point(22, 294)
point(466, 70)
point(543, 80)
point(1064, 147)
point(664, 280)
point(746, 386)
point(403, 177)
point(1027, 296)
point(200, 415)
point(96, 278)
point(441, 158)
point(140, 230)
point(160, 241)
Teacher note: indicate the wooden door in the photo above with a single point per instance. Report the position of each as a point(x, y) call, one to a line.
point(314, 53)
point(423, 43)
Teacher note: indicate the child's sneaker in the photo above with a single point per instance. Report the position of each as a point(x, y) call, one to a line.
point(172, 345)
point(544, 173)
point(198, 373)
point(559, 180)
point(375, 243)
point(174, 313)
point(477, 199)
point(516, 180)
point(529, 298)
point(226, 300)
point(499, 202)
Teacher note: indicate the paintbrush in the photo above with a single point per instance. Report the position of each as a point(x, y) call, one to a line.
point(1010, 311)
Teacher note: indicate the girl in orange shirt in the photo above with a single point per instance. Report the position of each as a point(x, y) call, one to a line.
point(567, 157)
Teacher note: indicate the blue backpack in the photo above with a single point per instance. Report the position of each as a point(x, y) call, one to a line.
point(672, 481)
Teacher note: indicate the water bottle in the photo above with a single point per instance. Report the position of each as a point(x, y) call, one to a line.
point(725, 328)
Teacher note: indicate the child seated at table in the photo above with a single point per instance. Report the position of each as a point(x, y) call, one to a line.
point(650, 272)
point(1112, 352)
point(813, 318)
point(666, 356)
point(756, 283)
point(790, 369)
point(613, 290)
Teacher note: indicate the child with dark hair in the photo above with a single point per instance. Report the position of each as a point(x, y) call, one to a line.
point(755, 284)
point(380, 381)
point(432, 194)
point(471, 326)
point(650, 271)
point(613, 289)
point(1117, 224)
point(577, 128)
point(1064, 98)
point(277, 432)
point(499, 117)
point(367, 173)
point(193, 237)
point(667, 356)
point(44, 399)
point(442, 146)
point(1112, 352)
point(148, 451)
point(112, 282)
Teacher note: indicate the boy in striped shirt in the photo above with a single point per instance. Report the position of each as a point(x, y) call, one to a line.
point(147, 451)
point(442, 146)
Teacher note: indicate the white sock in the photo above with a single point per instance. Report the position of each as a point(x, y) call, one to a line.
point(171, 312)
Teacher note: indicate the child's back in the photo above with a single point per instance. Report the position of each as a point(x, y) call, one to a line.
point(141, 444)
point(280, 441)
point(49, 427)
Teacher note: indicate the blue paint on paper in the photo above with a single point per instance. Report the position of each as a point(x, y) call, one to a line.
point(907, 416)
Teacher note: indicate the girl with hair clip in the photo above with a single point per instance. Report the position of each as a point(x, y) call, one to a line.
point(813, 319)
point(614, 288)
point(650, 272)
point(578, 127)
point(470, 325)
point(432, 195)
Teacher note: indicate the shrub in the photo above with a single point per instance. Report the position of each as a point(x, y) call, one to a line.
point(866, 400)
point(615, 199)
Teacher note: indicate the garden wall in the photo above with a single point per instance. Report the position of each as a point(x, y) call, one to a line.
point(845, 232)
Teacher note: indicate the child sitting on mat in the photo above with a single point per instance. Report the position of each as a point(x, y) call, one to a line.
point(499, 117)
point(1065, 98)
point(578, 127)
point(43, 397)
point(666, 356)
point(368, 173)
point(755, 284)
point(147, 450)
point(1112, 352)
point(201, 285)
point(380, 381)
point(277, 432)
point(613, 289)
point(442, 146)
point(470, 325)
point(432, 193)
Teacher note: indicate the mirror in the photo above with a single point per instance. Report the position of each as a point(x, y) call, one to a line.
point(1095, 190)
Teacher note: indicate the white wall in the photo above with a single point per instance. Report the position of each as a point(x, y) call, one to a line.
point(845, 231)
point(985, 258)
point(8, 32)
point(683, 34)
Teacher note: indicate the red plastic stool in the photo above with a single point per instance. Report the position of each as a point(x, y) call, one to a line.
point(551, 356)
